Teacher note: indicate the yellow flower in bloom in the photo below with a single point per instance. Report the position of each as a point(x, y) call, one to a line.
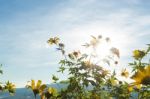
point(37, 88)
point(124, 73)
point(130, 88)
point(50, 92)
point(142, 76)
point(137, 54)
point(54, 40)
point(10, 87)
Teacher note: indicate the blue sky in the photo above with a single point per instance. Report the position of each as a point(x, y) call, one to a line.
point(26, 25)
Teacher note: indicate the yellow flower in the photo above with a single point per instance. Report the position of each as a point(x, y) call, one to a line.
point(130, 88)
point(50, 93)
point(37, 88)
point(142, 76)
point(54, 40)
point(125, 73)
point(10, 87)
point(137, 54)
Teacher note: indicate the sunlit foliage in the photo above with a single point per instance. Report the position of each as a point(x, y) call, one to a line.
point(8, 86)
point(141, 73)
point(84, 72)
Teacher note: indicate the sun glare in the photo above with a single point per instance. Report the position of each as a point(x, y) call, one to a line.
point(103, 49)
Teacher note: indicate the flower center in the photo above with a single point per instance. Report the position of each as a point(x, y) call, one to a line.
point(146, 80)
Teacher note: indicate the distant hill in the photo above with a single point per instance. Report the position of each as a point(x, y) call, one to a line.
point(21, 93)
point(24, 93)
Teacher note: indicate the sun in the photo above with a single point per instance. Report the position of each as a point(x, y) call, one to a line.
point(103, 49)
point(100, 49)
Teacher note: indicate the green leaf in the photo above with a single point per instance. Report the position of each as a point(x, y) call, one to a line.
point(55, 78)
point(62, 62)
point(61, 69)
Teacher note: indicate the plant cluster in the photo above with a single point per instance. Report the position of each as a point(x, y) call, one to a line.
point(8, 86)
point(88, 77)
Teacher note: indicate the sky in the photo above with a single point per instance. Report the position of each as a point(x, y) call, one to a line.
point(26, 25)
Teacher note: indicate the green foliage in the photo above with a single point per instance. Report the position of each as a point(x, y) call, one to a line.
point(8, 86)
point(55, 79)
point(85, 72)
point(141, 70)
point(139, 56)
